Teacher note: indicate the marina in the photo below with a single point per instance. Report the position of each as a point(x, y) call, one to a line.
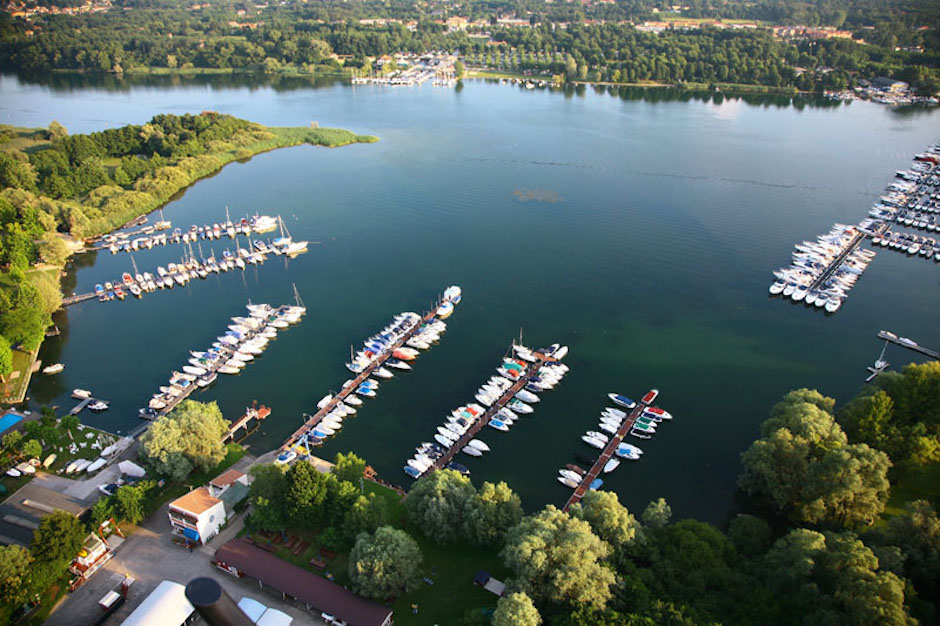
point(232, 351)
point(823, 272)
point(506, 397)
point(145, 239)
point(384, 348)
point(588, 480)
point(189, 269)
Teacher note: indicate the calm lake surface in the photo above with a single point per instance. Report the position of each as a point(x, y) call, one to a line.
point(640, 232)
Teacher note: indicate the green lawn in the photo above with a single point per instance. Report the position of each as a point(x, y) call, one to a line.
point(14, 390)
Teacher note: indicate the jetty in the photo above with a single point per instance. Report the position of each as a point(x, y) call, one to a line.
point(252, 413)
point(605, 455)
point(81, 406)
point(76, 298)
point(170, 403)
point(837, 262)
point(350, 388)
point(904, 342)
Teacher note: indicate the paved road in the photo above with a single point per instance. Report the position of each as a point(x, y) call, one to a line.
point(149, 556)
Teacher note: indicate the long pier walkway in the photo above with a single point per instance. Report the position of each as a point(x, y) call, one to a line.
point(531, 370)
point(76, 298)
point(839, 260)
point(605, 455)
point(350, 389)
point(893, 338)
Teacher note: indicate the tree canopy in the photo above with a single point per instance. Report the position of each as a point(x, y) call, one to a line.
point(436, 504)
point(804, 467)
point(385, 563)
point(557, 558)
point(490, 512)
point(516, 609)
point(188, 437)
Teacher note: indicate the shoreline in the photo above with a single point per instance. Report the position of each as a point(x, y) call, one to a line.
point(281, 137)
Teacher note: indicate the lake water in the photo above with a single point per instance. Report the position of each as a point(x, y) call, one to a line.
point(640, 231)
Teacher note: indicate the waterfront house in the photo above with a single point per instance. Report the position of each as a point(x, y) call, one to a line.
point(197, 516)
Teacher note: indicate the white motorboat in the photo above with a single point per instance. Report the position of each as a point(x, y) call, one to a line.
point(472, 451)
point(567, 482)
point(592, 441)
point(567, 473)
point(479, 445)
point(611, 465)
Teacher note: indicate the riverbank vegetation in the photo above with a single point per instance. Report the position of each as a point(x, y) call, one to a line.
point(599, 43)
point(53, 185)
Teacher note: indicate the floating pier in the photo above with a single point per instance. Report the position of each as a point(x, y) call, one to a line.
point(81, 406)
point(253, 413)
point(483, 420)
point(350, 388)
point(904, 342)
point(605, 455)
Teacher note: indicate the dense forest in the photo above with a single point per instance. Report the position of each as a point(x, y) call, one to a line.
point(901, 40)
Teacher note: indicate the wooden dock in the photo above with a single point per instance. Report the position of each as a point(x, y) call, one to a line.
point(253, 413)
point(76, 298)
point(350, 389)
point(81, 406)
point(895, 339)
point(606, 454)
point(483, 420)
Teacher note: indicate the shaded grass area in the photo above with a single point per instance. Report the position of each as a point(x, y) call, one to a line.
point(451, 569)
point(925, 486)
point(23, 139)
point(14, 390)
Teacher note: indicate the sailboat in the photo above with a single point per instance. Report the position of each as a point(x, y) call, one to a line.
point(162, 224)
point(285, 243)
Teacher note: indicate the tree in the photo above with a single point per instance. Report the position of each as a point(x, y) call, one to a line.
point(490, 512)
point(69, 422)
point(917, 533)
point(657, 514)
point(129, 504)
point(57, 540)
point(267, 494)
point(348, 467)
point(805, 469)
point(12, 442)
point(833, 578)
point(610, 520)
point(31, 449)
point(459, 69)
point(53, 250)
point(6, 358)
point(557, 558)
point(365, 516)
point(436, 504)
point(102, 510)
point(750, 535)
point(15, 569)
point(516, 609)
point(190, 436)
point(385, 563)
point(306, 491)
point(57, 130)
point(846, 486)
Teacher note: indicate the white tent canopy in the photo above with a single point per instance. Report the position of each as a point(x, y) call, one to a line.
point(131, 469)
point(165, 606)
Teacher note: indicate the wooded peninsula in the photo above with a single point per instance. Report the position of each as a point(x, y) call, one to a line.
point(55, 186)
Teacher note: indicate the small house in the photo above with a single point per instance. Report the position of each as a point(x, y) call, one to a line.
point(197, 516)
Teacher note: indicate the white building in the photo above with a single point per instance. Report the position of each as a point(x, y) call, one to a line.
point(197, 516)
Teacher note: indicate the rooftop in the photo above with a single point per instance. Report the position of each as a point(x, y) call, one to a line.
point(225, 479)
point(196, 501)
point(21, 513)
point(306, 586)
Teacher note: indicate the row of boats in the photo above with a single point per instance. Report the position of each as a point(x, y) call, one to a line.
point(183, 272)
point(824, 271)
point(121, 242)
point(914, 201)
point(500, 401)
point(927, 247)
point(246, 338)
point(398, 343)
point(611, 424)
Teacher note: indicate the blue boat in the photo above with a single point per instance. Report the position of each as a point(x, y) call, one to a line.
point(99, 290)
point(498, 424)
point(319, 434)
point(597, 483)
point(412, 471)
point(623, 401)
